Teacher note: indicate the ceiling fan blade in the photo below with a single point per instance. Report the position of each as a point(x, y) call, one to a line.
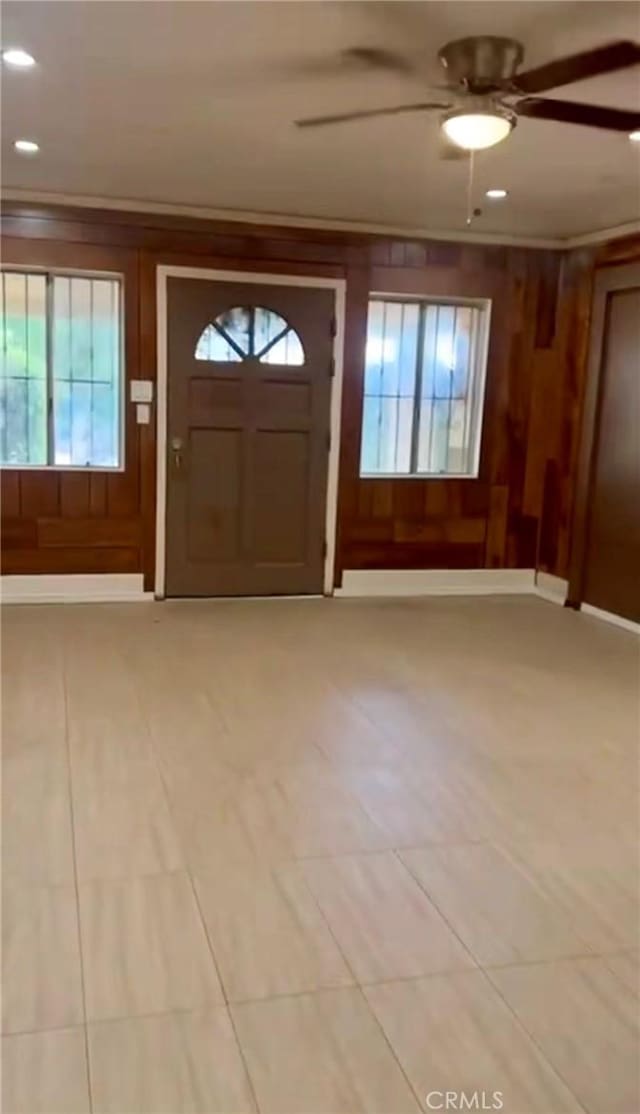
point(569, 112)
point(576, 67)
point(378, 58)
point(348, 63)
point(344, 117)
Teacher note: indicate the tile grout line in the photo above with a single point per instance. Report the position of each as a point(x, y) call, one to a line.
point(485, 974)
point(354, 985)
point(532, 1038)
point(187, 870)
point(589, 954)
point(75, 870)
point(212, 951)
point(437, 908)
point(359, 988)
point(227, 1005)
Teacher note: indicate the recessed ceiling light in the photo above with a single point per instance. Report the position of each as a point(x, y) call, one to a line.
point(21, 59)
point(635, 136)
point(27, 146)
point(496, 195)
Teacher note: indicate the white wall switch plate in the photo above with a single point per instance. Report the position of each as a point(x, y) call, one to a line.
point(143, 413)
point(141, 390)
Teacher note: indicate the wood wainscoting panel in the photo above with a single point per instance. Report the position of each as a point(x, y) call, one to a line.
point(65, 559)
point(518, 509)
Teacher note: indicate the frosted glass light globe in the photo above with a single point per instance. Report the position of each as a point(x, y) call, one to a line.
point(474, 131)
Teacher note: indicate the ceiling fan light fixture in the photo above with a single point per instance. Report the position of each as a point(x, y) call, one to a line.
point(474, 131)
point(635, 136)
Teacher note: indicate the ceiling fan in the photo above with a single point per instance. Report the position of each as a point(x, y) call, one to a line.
point(488, 94)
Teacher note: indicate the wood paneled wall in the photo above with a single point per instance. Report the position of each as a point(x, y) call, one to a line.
point(516, 514)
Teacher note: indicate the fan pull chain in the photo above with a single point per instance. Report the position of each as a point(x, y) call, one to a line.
point(470, 212)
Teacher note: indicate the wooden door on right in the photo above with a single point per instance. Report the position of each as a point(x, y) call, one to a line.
point(611, 564)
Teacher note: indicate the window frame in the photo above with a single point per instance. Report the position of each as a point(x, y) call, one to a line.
point(479, 365)
point(50, 274)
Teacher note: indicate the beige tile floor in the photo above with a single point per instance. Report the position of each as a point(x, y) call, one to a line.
point(319, 857)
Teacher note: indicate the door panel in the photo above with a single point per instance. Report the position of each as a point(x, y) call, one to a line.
point(612, 557)
point(249, 378)
point(215, 463)
point(281, 468)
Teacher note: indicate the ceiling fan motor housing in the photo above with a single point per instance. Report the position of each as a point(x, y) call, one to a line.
point(482, 63)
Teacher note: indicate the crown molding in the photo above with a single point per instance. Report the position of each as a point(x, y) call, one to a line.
point(604, 235)
point(241, 216)
point(131, 205)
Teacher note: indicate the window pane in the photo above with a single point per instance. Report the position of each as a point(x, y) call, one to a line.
point(425, 435)
point(370, 434)
point(403, 441)
point(237, 325)
point(387, 434)
point(212, 345)
point(23, 370)
point(374, 350)
point(80, 423)
point(288, 351)
point(391, 349)
point(429, 348)
point(86, 371)
point(251, 331)
point(449, 418)
point(267, 325)
point(462, 345)
point(390, 383)
point(81, 352)
point(62, 421)
point(456, 445)
point(408, 350)
point(440, 443)
point(445, 352)
point(104, 447)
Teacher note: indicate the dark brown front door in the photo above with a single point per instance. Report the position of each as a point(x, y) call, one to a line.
point(249, 386)
point(607, 561)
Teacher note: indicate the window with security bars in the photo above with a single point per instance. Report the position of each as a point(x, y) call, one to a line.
point(61, 371)
point(423, 391)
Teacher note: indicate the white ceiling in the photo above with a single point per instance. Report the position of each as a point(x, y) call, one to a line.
point(192, 104)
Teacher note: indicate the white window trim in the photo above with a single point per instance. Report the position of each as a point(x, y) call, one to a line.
point(73, 272)
point(479, 362)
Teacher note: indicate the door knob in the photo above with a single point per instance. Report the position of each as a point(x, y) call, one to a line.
point(176, 449)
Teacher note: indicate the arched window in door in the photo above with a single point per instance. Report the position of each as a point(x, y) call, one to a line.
point(250, 332)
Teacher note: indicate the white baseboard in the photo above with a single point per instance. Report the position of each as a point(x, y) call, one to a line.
point(436, 582)
point(552, 588)
point(74, 588)
point(128, 587)
point(609, 617)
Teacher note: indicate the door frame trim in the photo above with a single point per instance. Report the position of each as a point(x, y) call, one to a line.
point(608, 281)
point(339, 286)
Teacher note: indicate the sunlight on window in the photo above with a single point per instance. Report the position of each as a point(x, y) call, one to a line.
point(424, 381)
point(61, 355)
point(379, 348)
point(250, 332)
